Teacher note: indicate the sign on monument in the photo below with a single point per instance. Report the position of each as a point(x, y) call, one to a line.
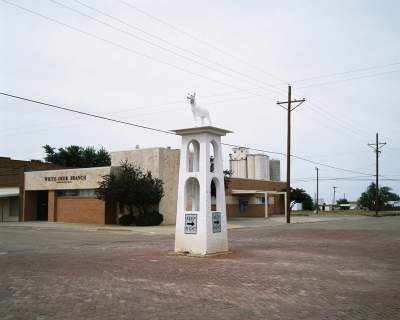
point(190, 223)
point(216, 222)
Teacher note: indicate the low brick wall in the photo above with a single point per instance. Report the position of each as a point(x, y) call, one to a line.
point(252, 211)
point(80, 210)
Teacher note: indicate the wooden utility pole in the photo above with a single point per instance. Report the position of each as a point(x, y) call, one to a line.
point(316, 202)
point(289, 110)
point(334, 198)
point(377, 146)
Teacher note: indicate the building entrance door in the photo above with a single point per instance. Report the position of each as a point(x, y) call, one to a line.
point(243, 204)
point(3, 208)
point(42, 205)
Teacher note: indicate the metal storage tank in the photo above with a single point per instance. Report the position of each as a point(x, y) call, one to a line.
point(239, 168)
point(251, 166)
point(275, 170)
point(261, 167)
point(239, 153)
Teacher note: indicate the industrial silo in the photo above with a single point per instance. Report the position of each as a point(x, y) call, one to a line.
point(251, 174)
point(275, 170)
point(238, 168)
point(260, 167)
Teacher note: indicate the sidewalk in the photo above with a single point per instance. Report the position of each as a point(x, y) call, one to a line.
point(234, 223)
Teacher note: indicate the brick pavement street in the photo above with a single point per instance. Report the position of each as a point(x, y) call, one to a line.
point(331, 270)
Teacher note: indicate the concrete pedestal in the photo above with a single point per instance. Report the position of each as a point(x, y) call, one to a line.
point(201, 226)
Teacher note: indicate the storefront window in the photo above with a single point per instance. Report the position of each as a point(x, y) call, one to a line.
point(80, 193)
point(14, 206)
point(260, 200)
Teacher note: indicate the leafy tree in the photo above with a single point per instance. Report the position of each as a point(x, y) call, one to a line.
point(135, 189)
point(367, 199)
point(299, 195)
point(342, 201)
point(77, 157)
point(227, 178)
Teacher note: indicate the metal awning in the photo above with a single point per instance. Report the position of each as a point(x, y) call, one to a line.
point(9, 192)
point(247, 192)
point(265, 193)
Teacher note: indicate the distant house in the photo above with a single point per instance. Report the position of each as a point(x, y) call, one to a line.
point(353, 205)
point(297, 207)
point(393, 204)
point(345, 206)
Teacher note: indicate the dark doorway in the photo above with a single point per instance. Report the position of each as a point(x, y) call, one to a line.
point(243, 204)
point(42, 205)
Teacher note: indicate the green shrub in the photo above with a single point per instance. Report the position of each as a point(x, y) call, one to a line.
point(126, 220)
point(152, 218)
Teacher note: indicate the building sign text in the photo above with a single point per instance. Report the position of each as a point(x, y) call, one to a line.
point(65, 179)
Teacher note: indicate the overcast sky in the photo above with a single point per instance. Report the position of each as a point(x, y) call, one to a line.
point(245, 54)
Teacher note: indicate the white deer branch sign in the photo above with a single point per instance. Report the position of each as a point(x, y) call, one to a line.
point(198, 112)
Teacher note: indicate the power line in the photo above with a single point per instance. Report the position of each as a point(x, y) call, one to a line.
point(355, 178)
point(155, 44)
point(72, 110)
point(118, 45)
point(99, 21)
point(134, 51)
point(159, 39)
point(346, 180)
point(346, 72)
point(338, 122)
point(197, 39)
point(299, 158)
point(349, 79)
point(342, 122)
point(330, 166)
point(126, 48)
point(47, 124)
point(86, 113)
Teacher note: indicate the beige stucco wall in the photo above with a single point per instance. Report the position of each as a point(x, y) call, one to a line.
point(66, 179)
point(169, 173)
point(164, 164)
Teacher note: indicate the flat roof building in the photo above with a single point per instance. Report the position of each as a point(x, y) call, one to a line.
point(69, 195)
point(12, 185)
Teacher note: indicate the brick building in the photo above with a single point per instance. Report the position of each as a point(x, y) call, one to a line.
point(12, 185)
point(69, 195)
point(255, 198)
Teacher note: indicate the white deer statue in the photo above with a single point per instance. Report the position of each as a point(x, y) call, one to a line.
point(198, 112)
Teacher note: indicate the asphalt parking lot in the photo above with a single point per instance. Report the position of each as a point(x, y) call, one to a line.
point(343, 269)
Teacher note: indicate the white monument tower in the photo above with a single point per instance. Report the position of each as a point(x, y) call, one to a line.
point(201, 226)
